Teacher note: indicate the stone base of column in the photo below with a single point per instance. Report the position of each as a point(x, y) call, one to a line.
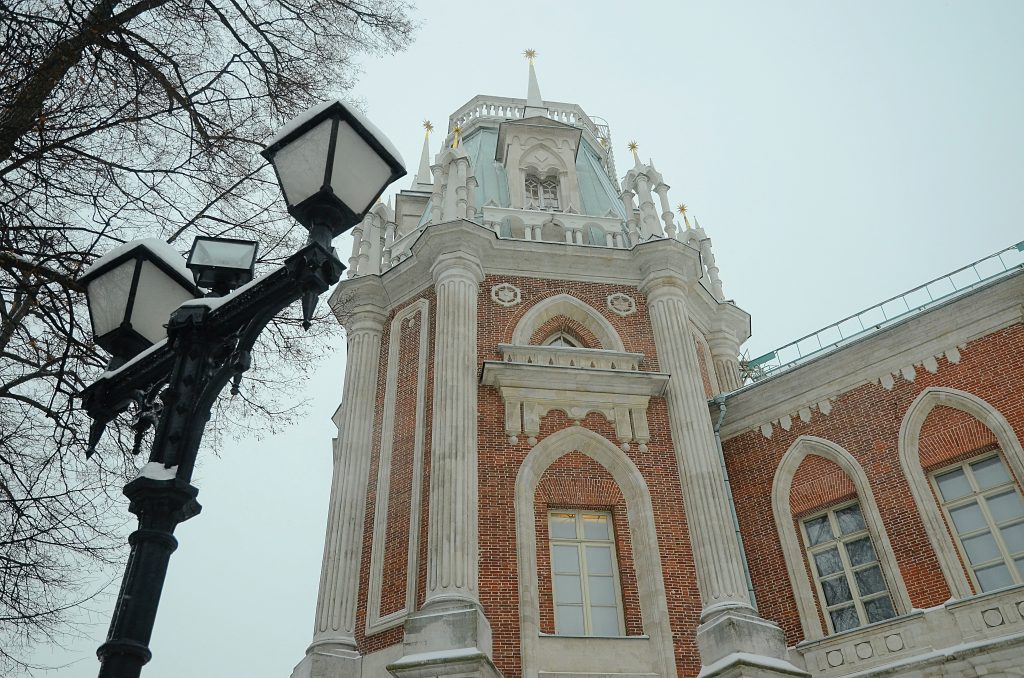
point(736, 643)
point(446, 642)
point(329, 662)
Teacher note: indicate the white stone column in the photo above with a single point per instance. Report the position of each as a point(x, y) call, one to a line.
point(716, 552)
point(729, 623)
point(666, 210)
point(648, 214)
point(437, 198)
point(725, 351)
point(452, 533)
point(632, 225)
point(357, 241)
point(339, 576)
point(461, 192)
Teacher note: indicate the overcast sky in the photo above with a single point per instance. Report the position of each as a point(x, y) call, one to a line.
point(838, 153)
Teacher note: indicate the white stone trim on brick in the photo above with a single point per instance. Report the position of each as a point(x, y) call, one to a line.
point(803, 587)
point(931, 514)
point(417, 312)
point(573, 308)
point(646, 558)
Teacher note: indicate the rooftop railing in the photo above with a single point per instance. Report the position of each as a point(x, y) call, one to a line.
point(886, 313)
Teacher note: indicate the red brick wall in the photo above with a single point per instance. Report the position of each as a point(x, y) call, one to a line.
point(576, 481)
point(573, 328)
point(817, 484)
point(950, 435)
point(866, 422)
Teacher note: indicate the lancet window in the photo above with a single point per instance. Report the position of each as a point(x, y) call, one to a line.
point(541, 193)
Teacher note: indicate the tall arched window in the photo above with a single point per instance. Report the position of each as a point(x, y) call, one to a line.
point(541, 193)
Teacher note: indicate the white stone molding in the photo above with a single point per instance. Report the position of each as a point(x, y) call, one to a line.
point(803, 588)
point(452, 560)
point(805, 413)
point(506, 294)
point(724, 351)
point(339, 578)
point(570, 356)
point(910, 460)
point(709, 359)
point(531, 391)
point(716, 551)
point(621, 304)
point(647, 559)
point(416, 312)
point(570, 307)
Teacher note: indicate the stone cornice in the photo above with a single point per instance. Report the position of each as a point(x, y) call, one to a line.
point(572, 379)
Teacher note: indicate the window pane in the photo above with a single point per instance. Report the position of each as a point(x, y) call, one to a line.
point(869, 580)
point(602, 590)
point(599, 559)
point(990, 472)
point(567, 589)
point(570, 620)
point(1020, 567)
point(565, 559)
point(981, 548)
point(596, 527)
point(1013, 536)
point(562, 525)
point(953, 485)
point(836, 590)
point(604, 621)
point(995, 577)
point(879, 609)
point(860, 551)
point(844, 619)
point(967, 518)
point(1005, 506)
point(828, 562)
point(819, 530)
point(850, 519)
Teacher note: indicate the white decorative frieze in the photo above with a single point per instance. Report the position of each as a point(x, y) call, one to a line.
point(930, 364)
point(805, 414)
point(621, 304)
point(535, 383)
point(506, 295)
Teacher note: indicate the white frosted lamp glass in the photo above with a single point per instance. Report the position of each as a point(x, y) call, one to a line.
point(156, 297)
point(332, 164)
point(131, 292)
point(359, 175)
point(222, 264)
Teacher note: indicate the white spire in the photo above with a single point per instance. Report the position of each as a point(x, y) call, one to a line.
point(423, 180)
point(534, 104)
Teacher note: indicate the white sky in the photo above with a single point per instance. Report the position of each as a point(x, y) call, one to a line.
point(838, 153)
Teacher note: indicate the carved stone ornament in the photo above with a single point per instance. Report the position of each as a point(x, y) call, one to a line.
point(621, 304)
point(506, 295)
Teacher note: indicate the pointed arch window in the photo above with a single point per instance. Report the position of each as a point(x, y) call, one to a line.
point(541, 193)
point(562, 339)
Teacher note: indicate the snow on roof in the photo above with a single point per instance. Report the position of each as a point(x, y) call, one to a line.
point(316, 109)
point(216, 302)
point(160, 249)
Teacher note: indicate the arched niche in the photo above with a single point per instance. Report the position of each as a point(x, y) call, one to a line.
point(910, 460)
point(644, 538)
point(782, 486)
point(570, 307)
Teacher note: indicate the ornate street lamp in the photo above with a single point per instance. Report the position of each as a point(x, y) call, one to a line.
point(174, 377)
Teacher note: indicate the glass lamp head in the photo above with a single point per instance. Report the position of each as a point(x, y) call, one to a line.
point(131, 292)
point(222, 264)
point(332, 164)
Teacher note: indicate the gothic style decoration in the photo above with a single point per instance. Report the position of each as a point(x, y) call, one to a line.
point(621, 304)
point(505, 294)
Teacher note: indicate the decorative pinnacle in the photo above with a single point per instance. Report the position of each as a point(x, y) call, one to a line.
point(458, 135)
point(681, 208)
point(429, 126)
point(530, 54)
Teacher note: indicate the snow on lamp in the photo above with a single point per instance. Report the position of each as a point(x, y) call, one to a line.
point(332, 164)
point(131, 291)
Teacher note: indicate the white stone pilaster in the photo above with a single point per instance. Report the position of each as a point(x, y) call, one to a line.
point(452, 533)
point(725, 351)
point(339, 577)
point(716, 552)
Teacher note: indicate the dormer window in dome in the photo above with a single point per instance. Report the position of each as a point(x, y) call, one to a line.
point(541, 193)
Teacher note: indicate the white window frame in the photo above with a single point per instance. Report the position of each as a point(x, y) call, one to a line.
point(580, 542)
point(838, 542)
point(567, 340)
point(980, 496)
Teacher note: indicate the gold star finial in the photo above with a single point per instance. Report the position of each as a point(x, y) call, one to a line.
point(458, 135)
point(429, 126)
point(530, 54)
point(633, 146)
point(681, 208)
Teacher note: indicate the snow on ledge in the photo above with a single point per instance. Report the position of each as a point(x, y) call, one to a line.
point(155, 470)
point(748, 658)
point(160, 249)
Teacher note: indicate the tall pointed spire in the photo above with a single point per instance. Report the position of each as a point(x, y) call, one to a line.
point(534, 104)
point(423, 180)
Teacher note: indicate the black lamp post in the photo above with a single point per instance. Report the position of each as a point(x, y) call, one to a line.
point(332, 165)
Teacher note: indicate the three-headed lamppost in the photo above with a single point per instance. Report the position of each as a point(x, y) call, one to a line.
point(332, 165)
